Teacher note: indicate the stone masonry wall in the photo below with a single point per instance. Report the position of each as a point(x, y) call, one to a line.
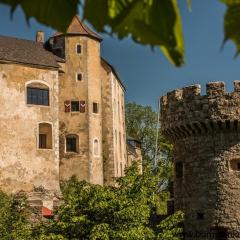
point(205, 134)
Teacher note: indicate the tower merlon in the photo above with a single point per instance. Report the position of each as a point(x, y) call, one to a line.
point(191, 91)
point(185, 112)
point(215, 88)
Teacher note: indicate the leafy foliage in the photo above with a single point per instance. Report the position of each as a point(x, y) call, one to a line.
point(14, 223)
point(142, 124)
point(55, 13)
point(147, 22)
point(151, 22)
point(94, 212)
point(231, 22)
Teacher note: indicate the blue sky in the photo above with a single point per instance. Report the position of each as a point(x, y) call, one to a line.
point(147, 74)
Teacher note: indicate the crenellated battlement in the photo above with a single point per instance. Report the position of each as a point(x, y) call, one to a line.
point(186, 112)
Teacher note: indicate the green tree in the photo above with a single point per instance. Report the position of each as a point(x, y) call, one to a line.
point(142, 124)
point(148, 22)
point(124, 213)
point(14, 218)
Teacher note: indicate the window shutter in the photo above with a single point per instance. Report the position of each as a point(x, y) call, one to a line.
point(67, 105)
point(82, 106)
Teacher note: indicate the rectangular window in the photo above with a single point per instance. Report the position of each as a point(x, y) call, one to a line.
point(37, 96)
point(71, 144)
point(79, 77)
point(42, 140)
point(95, 107)
point(238, 166)
point(75, 106)
point(79, 49)
point(179, 169)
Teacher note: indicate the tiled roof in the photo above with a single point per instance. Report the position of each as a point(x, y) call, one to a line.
point(77, 27)
point(26, 52)
point(108, 66)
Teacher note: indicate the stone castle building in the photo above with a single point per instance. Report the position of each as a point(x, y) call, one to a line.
point(204, 130)
point(62, 112)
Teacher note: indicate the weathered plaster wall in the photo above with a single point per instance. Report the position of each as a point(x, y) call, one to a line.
point(119, 126)
point(94, 120)
point(109, 164)
point(86, 125)
point(22, 165)
point(114, 151)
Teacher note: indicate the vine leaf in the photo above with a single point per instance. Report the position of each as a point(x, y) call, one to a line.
point(147, 22)
point(231, 23)
point(54, 13)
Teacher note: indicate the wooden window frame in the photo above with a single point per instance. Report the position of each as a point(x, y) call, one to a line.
point(76, 138)
point(39, 101)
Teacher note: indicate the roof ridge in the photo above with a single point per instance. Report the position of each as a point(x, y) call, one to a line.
point(19, 39)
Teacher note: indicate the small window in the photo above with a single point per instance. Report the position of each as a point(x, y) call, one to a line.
point(179, 169)
point(45, 136)
point(79, 76)
point(95, 107)
point(37, 96)
point(96, 147)
point(79, 49)
point(72, 143)
point(170, 207)
point(75, 106)
point(221, 233)
point(235, 164)
point(200, 216)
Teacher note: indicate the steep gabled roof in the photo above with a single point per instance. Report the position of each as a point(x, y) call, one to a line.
point(25, 52)
point(109, 67)
point(77, 27)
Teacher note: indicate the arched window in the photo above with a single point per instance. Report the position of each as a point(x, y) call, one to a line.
point(44, 136)
point(72, 143)
point(95, 147)
point(37, 93)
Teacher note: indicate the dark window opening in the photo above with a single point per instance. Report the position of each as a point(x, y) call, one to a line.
point(200, 216)
point(42, 140)
point(221, 233)
point(37, 96)
point(234, 164)
point(95, 107)
point(79, 77)
point(79, 49)
point(71, 144)
point(179, 169)
point(238, 166)
point(45, 136)
point(170, 207)
point(75, 106)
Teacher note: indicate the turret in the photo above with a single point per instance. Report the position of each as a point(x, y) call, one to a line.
point(80, 110)
point(204, 130)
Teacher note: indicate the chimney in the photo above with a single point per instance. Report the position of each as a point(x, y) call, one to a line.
point(40, 36)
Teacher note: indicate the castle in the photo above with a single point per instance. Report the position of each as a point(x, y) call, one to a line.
point(204, 130)
point(62, 112)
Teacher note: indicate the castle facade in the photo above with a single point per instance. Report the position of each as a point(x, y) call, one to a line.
point(62, 112)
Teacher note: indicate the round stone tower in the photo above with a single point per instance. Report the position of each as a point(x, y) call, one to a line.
point(205, 132)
